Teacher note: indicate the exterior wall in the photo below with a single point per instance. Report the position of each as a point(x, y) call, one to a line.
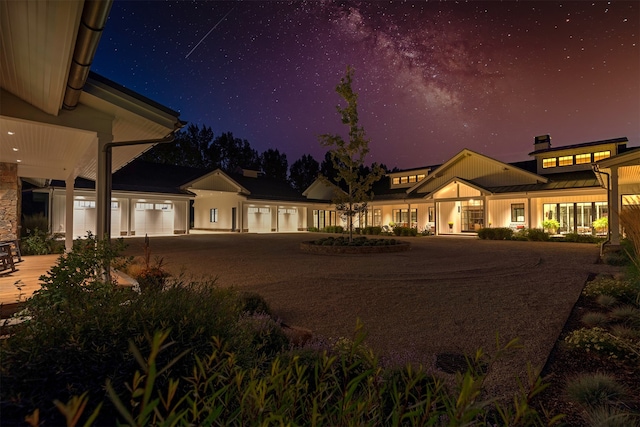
point(224, 202)
point(180, 217)
point(499, 213)
point(10, 203)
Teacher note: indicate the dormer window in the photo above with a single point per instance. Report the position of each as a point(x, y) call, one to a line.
point(396, 180)
point(583, 158)
point(565, 161)
point(551, 162)
point(600, 155)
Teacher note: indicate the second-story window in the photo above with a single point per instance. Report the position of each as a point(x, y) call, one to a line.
point(565, 161)
point(583, 158)
point(549, 163)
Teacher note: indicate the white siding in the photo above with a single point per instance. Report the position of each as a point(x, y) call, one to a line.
point(224, 202)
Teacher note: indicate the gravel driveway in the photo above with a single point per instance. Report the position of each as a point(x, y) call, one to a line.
point(447, 294)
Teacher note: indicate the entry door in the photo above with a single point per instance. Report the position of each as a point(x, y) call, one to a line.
point(472, 216)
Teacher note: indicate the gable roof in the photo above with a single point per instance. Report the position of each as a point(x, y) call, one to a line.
point(524, 176)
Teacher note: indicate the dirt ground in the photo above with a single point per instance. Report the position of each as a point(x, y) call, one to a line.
point(446, 295)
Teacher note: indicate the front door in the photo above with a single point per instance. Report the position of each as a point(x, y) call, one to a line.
point(472, 215)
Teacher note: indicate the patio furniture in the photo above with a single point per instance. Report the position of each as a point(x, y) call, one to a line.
point(6, 257)
point(14, 249)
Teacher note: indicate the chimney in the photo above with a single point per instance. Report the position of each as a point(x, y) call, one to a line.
point(542, 142)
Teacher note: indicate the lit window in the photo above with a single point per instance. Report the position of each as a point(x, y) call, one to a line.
point(432, 214)
point(404, 179)
point(115, 205)
point(601, 155)
point(517, 212)
point(144, 205)
point(565, 161)
point(421, 177)
point(213, 215)
point(85, 204)
point(549, 163)
point(396, 180)
point(583, 158)
point(412, 178)
point(163, 206)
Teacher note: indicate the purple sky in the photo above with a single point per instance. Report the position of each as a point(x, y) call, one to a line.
point(432, 77)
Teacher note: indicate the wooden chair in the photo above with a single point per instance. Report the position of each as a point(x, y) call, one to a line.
point(6, 257)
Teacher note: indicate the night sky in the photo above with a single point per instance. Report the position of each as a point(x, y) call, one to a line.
point(432, 77)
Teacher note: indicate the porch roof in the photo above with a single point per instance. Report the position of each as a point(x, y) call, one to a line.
point(558, 181)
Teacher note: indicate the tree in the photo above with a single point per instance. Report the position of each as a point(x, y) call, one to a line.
point(190, 148)
point(274, 164)
point(233, 153)
point(303, 172)
point(349, 156)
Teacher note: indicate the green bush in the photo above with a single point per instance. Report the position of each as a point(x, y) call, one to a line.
point(582, 238)
point(81, 329)
point(601, 343)
point(499, 233)
point(371, 230)
point(405, 231)
point(551, 225)
point(337, 229)
point(606, 285)
point(593, 390)
point(32, 222)
point(38, 242)
point(313, 229)
point(331, 384)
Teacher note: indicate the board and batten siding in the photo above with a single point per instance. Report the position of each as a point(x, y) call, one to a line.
point(215, 182)
point(485, 173)
point(499, 212)
point(224, 202)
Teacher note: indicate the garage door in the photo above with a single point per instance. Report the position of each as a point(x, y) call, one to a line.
point(84, 218)
point(153, 218)
point(287, 219)
point(259, 220)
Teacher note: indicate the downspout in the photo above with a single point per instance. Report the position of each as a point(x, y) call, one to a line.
point(597, 171)
point(92, 22)
point(108, 166)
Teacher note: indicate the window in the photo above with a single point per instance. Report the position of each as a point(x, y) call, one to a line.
point(583, 158)
point(401, 217)
point(549, 163)
point(565, 161)
point(412, 178)
point(213, 215)
point(404, 179)
point(517, 212)
point(421, 177)
point(163, 206)
point(396, 180)
point(432, 214)
point(601, 155)
point(377, 217)
point(85, 204)
point(141, 205)
point(115, 205)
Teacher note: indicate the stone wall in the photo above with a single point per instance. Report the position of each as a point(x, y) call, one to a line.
point(9, 201)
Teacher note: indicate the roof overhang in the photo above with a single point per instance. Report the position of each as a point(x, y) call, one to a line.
point(626, 165)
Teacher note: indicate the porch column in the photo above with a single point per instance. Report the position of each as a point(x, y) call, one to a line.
point(68, 213)
point(484, 211)
point(615, 207)
point(103, 188)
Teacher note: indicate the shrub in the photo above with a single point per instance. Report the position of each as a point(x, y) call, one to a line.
point(405, 231)
point(37, 221)
point(81, 329)
point(609, 416)
point(600, 342)
point(313, 229)
point(550, 224)
point(582, 238)
point(607, 301)
point(594, 318)
point(607, 285)
point(601, 224)
point(625, 332)
point(537, 235)
point(372, 230)
point(627, 314)
point(593, 390)
point(498, 233)
point(337, 229)
point(38, 242)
